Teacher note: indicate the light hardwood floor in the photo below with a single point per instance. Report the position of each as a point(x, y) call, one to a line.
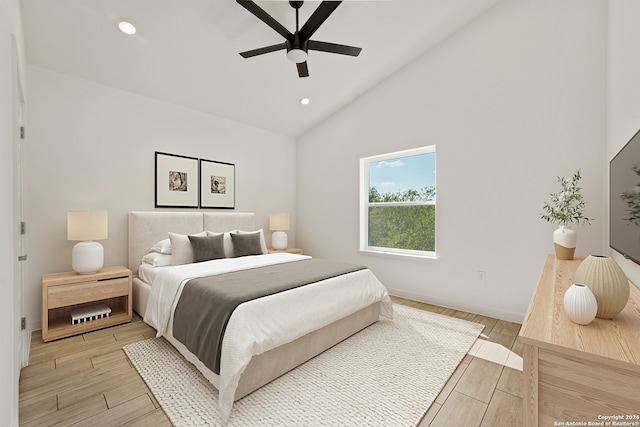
point(87, 380)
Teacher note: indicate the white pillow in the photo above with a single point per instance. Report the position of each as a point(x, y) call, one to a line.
point(263, 244)
point(228, 243)
point(156, 259)
point(162, 247)
point(182, 253)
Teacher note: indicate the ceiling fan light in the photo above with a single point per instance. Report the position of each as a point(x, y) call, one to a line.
point(297, 55)
point(125, 26)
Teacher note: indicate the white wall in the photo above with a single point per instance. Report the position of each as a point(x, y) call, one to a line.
point(623, 93)
point(92, 147)
point(511, 101)
point(10, 28)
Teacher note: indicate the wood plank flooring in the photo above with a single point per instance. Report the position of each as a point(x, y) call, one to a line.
point(87, 380)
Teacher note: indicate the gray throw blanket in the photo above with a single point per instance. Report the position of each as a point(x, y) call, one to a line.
point(206, 303)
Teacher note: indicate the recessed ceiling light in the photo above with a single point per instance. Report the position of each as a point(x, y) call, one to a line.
point(125, 26)
point(305, 101)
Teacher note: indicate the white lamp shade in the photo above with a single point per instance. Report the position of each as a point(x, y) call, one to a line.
point(279, 221)
point(87, 225)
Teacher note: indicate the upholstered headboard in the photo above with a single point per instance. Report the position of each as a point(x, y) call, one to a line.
point(147, 228)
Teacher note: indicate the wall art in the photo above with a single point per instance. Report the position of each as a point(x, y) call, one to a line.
point(176, 181)
point(217, 184)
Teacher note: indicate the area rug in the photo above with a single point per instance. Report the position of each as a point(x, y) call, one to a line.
point(386, 375)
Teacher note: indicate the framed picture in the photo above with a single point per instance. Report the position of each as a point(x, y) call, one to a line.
point(217, 184)
point(176, 181)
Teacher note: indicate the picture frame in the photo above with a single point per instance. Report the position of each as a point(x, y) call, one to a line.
point(217, 184)
point(176, 181)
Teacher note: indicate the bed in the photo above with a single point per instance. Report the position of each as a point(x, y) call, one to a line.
point(302, 322)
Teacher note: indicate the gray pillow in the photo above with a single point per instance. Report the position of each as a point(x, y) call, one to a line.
point(246, 244)
point(206, 248)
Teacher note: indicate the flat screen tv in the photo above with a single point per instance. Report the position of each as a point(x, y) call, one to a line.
point(624, 200)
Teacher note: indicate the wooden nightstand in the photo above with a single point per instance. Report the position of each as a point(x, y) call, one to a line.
point(288, 250)
point(63, 292)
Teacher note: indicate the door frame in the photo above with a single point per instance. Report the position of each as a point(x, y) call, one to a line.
point(20, 241)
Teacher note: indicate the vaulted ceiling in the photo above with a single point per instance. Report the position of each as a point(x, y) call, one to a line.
point(187, 52)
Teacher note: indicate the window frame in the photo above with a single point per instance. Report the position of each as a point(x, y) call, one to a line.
point(365, 163)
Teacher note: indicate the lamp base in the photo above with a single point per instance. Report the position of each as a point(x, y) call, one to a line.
point(279, 240)
point(87, 257)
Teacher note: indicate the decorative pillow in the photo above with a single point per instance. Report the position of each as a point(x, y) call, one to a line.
point(181, 248)
point(162, 247)
point(206, 248)
point(263, 244)
point(246, 244)
point(228, 243)
point(156, 259)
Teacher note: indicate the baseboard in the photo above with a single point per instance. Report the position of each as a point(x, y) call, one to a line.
point(457, 305)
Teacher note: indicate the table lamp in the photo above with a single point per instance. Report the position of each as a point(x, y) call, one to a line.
point(87, 256)
point(279, 223)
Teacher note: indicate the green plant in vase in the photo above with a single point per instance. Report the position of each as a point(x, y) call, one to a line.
point(566, 208)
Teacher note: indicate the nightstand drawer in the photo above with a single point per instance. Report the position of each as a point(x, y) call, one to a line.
point(78, 293)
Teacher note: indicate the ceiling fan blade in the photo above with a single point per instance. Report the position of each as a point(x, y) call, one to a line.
point(262, 50)
point(265, 17)
point(334, 48)
point(303, 71)
point(320, 15)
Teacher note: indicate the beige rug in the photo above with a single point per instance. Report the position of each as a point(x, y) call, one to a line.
point(386, 375)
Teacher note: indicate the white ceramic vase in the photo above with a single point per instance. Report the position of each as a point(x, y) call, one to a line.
point(608, 283)
point(580, 304)
point(564, 242)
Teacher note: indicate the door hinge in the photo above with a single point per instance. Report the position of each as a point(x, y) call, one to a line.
point(22, 132)
point(22, 257)
point(23, 227)
point(23, 323)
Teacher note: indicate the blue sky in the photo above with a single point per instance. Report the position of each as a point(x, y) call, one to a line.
point(402, 173)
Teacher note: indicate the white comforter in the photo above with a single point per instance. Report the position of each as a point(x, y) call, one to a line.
point(263, 324)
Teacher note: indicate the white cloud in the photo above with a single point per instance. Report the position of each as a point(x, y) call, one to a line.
point(387, 184)
point(393, 164)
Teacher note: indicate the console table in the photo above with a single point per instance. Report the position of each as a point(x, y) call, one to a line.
point(578, 373)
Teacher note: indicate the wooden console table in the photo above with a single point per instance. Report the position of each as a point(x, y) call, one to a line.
point(578, 373)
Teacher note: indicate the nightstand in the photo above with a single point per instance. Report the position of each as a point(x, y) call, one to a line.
point(288, 250)
point(64, 292)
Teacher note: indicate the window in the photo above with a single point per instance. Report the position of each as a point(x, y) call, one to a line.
point(398, 203)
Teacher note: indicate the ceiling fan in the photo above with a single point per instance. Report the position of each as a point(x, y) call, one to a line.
point(298, 43)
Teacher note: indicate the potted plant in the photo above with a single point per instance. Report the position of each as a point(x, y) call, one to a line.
point(566, 208)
